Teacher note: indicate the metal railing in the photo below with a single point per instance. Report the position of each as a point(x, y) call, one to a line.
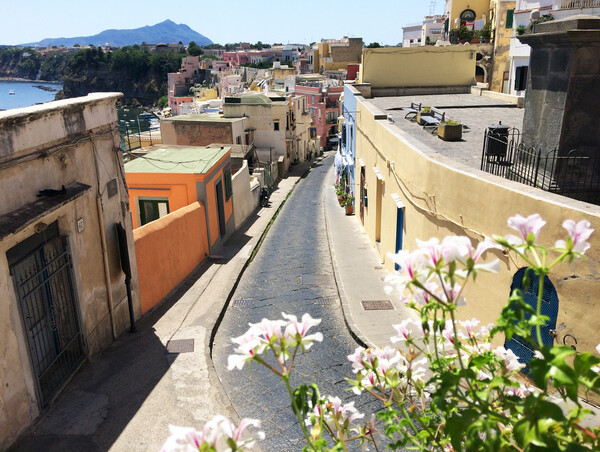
point(579, 4)
point(575, 174)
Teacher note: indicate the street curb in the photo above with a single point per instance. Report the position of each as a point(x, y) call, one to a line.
point(354, 331)
point(217, 322)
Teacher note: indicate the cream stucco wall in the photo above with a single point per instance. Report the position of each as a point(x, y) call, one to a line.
point(418, 66)
point(61, 143)
point(442, 197)
point(502, 37)
point(246, 193)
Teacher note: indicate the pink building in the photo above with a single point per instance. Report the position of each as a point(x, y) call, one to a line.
point(236, 58)
point(324, 103)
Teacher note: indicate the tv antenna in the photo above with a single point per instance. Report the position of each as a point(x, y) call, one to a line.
point(432, 7)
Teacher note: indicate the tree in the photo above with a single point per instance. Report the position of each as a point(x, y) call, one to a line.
point(194, 49)
point(374, 45)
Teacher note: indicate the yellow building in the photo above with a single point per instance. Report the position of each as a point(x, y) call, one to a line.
point(502, 29)
point(408, 190)
point(336, 54)
point(464, 12)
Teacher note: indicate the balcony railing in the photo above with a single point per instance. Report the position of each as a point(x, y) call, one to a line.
point(579, 4)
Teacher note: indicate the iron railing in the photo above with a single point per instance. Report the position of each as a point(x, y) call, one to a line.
point(579, 4)
point(575, 173)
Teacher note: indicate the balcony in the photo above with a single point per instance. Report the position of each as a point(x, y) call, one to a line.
point(576, 4)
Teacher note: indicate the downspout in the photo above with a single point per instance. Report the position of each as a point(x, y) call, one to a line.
point(109, 297)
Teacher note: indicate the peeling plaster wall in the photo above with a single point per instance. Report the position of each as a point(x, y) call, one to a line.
point(46, 146)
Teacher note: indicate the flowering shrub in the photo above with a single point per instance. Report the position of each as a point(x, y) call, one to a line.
point(445, 386)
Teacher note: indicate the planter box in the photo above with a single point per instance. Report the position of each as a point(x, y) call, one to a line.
point(450, 132)
point(421, 113)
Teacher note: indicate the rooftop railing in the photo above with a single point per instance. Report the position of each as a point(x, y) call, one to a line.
point(579, 4)
point(575, 174)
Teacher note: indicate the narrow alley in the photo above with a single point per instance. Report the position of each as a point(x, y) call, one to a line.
point(292, 273)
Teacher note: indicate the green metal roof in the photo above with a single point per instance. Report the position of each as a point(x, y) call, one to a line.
point(178, 160)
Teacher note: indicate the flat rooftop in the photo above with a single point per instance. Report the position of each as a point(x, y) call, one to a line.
point(201, 117)
point(475, 112)
point(177, 160)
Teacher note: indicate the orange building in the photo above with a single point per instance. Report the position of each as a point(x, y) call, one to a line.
point(173, 177)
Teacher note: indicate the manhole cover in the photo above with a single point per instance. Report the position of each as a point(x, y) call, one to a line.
point(180, 346)
point(242, 303)
point(314, 280)
point(324, 301)
point(377, 305)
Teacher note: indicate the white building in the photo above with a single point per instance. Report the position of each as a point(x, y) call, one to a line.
point(519, 53)
point(412, 35)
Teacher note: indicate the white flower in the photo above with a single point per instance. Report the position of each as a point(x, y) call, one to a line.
point(524, 226)
point(404, 333)
point(579, 234)
point(296, 331)
point(511, 361)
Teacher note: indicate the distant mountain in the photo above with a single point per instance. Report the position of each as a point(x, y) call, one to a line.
point(163, 32)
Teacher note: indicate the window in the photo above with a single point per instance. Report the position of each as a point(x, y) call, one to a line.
point(238, 140)
point(152, 209)
point(509, 18)
point(521, 78)
point(275, 125)
point(419, 40)
point(313, 100)
point(228, 187)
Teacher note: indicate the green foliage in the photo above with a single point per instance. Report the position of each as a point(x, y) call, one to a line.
point(373, 45)
point(163, 102)
point(425, 109)
point(520, 30)
point(194, 49)
point(450, 122)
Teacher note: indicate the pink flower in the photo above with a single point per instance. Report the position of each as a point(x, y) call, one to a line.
point(404, 333)
point(431, 248)
point(579, 234)
point(270, 329)
point(250, 344)
point(525, 226)
point(469, 326)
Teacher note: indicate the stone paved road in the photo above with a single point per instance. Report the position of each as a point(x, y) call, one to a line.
point(292, 272)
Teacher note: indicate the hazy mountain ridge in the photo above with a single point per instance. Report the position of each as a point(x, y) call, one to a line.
point(163, 32)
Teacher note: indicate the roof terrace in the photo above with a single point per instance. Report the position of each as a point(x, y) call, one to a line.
point(475, 112)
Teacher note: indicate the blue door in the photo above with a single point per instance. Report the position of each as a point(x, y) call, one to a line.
point(399, 230)
point(521, 347)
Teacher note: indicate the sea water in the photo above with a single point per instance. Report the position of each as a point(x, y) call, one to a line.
point(26, 93)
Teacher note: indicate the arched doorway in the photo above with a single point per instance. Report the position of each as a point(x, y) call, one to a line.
point(480, 75)
point(520, 346)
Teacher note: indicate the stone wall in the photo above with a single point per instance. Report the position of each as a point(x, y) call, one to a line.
point(195, 133)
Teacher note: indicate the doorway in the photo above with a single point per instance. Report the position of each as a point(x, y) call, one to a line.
point(220, 208)
point(41, 270)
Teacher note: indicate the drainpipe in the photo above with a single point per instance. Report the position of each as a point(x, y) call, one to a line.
point(109, 298)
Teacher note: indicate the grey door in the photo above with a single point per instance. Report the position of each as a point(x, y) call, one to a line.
point(42, 274)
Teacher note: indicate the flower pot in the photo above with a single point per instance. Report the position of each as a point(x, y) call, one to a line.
point(340, 199)
point(349, 210)
point(450, 132)
point(423, 113)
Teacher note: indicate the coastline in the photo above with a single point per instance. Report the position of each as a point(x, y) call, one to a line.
point(24, 80)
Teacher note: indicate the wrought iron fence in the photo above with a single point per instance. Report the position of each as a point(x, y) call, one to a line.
point(575, 174)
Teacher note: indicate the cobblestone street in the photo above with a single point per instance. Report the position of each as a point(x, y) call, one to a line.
point(292, 272)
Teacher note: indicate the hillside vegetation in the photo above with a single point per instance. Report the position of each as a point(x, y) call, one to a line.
point(138, 74)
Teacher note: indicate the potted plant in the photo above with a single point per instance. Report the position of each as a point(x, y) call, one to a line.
point(449, 130)
point(425, 111)
point(348, 204)
point(485, 33)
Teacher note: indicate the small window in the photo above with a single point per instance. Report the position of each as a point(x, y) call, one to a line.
point(238, 140)
point(275, 125)
point(313, 100)
point(152, 209)
point(521, 78)
point(419, 40)
point(228, 187)
point(509, 18)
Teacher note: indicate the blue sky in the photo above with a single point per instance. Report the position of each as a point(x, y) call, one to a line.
point(222, 21)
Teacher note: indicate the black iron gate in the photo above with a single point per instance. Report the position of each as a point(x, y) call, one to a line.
point(42, 273)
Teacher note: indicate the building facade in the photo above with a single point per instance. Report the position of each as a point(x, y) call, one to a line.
point(63, 275)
